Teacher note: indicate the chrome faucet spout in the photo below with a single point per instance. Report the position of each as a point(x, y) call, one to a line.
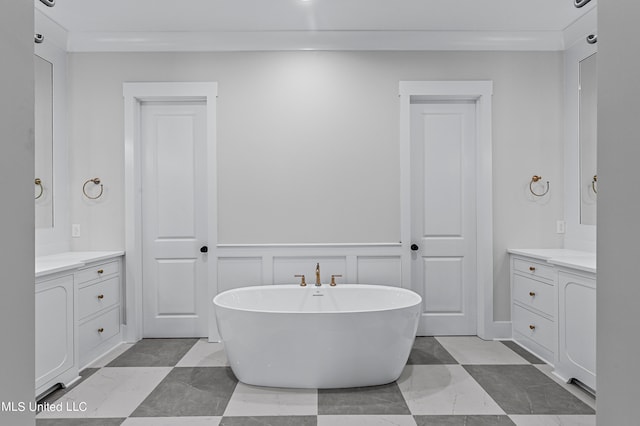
point(318, 283)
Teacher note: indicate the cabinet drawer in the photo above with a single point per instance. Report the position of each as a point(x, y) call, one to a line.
point(96, 271)
point(96, 297)
point(534, 327)
point(533, 293)
point(99, 329)
point(535, 269)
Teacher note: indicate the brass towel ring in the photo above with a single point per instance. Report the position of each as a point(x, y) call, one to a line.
point(38, 182)
point(96, 181)
point(594, 184)
point(534, 179)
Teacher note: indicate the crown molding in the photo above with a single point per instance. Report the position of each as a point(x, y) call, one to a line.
point(53, 33)
point(232, 41)
point(582, 27)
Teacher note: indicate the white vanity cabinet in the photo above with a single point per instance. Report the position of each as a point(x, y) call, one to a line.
point(98, 289)
point(553, 309)
point(533, 311)
point(577, 331)
point(55, 355)
point(77, 306)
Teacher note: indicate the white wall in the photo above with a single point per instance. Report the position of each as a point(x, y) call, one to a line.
point(17, 317)
point(618, 290)
point(308, 142)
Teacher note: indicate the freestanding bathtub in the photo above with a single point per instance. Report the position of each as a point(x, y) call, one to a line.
point(289, 336)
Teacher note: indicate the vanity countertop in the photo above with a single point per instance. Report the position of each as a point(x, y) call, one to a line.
point(59, 262)
point(574, 259)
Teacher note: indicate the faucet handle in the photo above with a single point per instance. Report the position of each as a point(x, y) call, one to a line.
point(333, 280)
point(303, 283)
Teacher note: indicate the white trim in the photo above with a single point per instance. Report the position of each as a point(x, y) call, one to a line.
point(578, 31)
point(134, 94)
point(54, 34)
point(502, 330)
point(227, 41)
point(480, 92)
point(309, 245)
point(305, 250)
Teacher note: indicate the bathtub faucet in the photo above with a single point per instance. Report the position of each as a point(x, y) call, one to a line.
point(318, 283)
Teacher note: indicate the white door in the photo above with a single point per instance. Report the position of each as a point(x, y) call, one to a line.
point(443, 162)
point(174, 219)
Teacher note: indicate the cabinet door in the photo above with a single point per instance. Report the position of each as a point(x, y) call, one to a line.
point(54, 329)
point(577, 333)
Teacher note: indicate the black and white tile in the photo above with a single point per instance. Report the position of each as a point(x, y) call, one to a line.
point(154, 353)
point(447, 381)
point(190, 391)
point(523, 389)
point(372, 400)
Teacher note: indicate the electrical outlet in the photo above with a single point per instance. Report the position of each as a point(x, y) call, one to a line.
point(75, 230)
point(560, 227)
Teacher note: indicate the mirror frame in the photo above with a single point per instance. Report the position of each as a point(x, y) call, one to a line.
point(588, 138)
point(43, 146)
point(578, 236)
point(57, 239)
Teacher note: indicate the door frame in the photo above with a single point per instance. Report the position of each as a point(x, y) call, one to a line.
point(134, 94)
point(480, 92)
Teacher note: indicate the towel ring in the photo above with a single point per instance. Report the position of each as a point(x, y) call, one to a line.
point(96, 181)
point(38, 182)
point(594, 184)
point(534, 179)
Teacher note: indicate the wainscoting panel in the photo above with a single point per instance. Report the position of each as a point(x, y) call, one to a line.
point(235, 272)
point(380, 270)
point(284, 268)
point(248, 265)
point(244, 265)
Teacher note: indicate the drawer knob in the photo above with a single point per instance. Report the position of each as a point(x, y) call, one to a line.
point(532, 268)
point(532, 327)
point(101, 271)
point(100, 330)
point(532, 293)
point(101, 296)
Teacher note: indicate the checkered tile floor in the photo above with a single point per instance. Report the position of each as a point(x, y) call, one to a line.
point(447, 381)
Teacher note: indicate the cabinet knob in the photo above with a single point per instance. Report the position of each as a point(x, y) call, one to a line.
point(101, 296)
point(532, 268)
point(101, 271)
point(532, 327)
point(532, 293)
point(100, 330)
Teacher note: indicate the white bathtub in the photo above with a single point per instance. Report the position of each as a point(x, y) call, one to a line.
point(317, 337)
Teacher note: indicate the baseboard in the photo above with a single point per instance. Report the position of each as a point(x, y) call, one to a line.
point(501, 330)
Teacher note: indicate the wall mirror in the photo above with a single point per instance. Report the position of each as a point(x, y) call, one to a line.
point(43, 109)
point(588, 114)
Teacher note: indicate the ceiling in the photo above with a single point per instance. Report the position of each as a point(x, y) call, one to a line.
point(311, 24)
